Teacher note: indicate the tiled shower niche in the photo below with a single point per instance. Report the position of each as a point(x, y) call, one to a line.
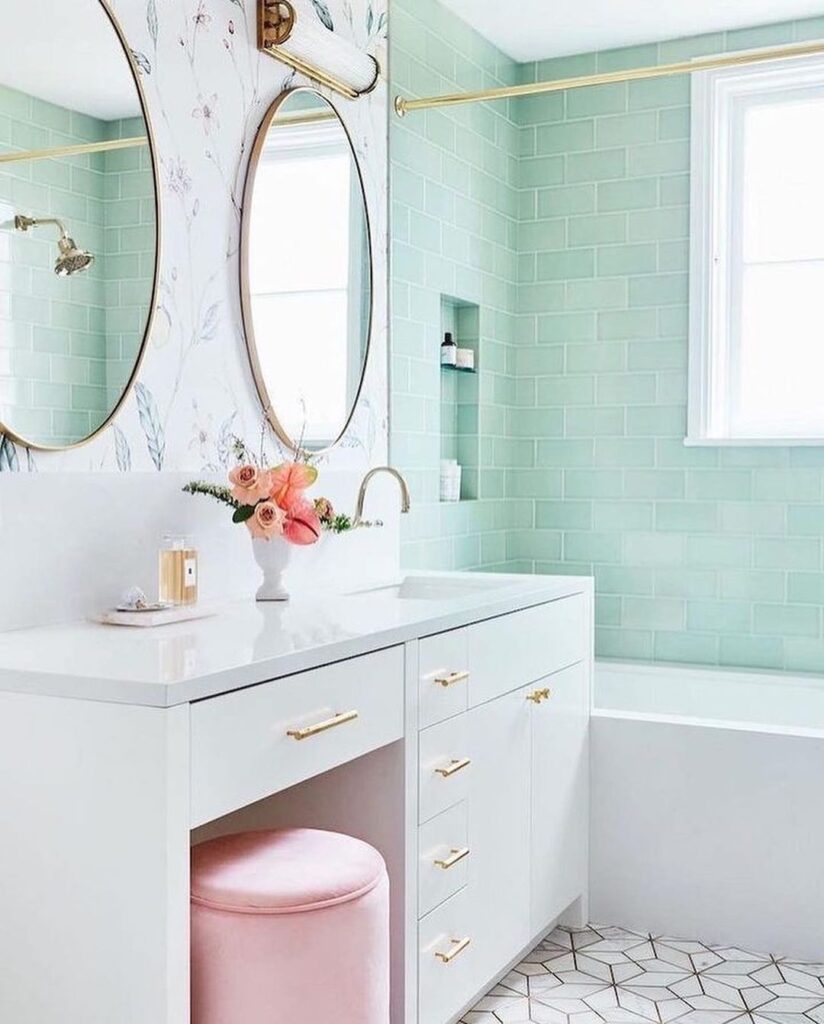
point(459, 394)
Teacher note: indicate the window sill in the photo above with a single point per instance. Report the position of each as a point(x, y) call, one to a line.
point(753, 442)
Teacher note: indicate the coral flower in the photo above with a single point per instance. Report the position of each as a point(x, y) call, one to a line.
point(289, 481)
point(250, 484)
point(302, 524)
point(268, 521)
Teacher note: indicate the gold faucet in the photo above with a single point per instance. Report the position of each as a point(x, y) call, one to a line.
point(406, 501)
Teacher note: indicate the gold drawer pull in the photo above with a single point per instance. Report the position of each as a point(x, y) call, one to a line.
point(330, 723)
point(451, 679)
point(455, 857)
point(458, 946)
point(540, 695)
point(453, 767)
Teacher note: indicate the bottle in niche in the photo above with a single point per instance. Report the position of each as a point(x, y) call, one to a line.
point(449, 351)
point(177, 571)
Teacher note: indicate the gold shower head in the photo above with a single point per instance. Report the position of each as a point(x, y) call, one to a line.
point(70, 260)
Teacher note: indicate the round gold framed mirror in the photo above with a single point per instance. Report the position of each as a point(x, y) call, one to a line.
point(79, 222)
point(306, 271)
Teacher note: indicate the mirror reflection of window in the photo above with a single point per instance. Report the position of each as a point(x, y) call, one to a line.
point(309, 274)
point(301, 290)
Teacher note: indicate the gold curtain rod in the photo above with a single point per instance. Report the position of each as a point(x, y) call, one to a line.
point(78, 150)
point(404, 106)
point(304, 117)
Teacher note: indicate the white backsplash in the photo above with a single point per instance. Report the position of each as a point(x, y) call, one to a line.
point(73, 544)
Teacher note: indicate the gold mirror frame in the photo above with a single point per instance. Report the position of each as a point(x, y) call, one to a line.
point(130, 383)
point(246, 295)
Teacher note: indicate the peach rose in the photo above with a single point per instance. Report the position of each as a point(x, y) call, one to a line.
point(267, 521)
point(250, 484)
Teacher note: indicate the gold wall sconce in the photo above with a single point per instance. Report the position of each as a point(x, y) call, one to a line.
point(314, 51)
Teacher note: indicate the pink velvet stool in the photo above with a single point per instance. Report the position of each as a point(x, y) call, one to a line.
point(289, 927)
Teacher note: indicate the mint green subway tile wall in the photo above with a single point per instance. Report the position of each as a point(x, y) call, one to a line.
point(130, 241)
point(67, 345)
point(709, 555)
point(52, 344)
point(454, 236)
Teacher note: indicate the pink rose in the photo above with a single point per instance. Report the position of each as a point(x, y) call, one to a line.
point(302, 524)
point(267, 521)
point(250, 484)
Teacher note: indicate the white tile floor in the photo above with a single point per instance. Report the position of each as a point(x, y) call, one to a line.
point(604, 975)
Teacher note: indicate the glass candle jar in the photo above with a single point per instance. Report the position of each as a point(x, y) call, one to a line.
point(177, 571)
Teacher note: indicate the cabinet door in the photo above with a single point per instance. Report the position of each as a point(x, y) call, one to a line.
point(499, 811)
point(560, 794)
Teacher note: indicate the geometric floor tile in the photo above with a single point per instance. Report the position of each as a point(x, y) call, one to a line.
point(608, 975)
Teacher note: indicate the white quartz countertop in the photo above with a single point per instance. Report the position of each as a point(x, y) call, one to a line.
point(247, 643)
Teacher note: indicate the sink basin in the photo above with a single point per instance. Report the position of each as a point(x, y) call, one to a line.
point(439, 588)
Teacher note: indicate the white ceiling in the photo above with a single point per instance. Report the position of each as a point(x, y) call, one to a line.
point(535, 29)
point(66, 52)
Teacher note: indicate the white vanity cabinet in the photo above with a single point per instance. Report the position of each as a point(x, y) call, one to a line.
point(514, 766)
point(451, 732)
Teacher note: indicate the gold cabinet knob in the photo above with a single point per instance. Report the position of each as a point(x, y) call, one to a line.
point(457, 946)
point(538, 696)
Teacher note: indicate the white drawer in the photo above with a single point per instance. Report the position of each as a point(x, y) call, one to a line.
point(443, 687)
point(443, 857)
point(252, 743)
point(445, 767)
point(447, 969)
point(514, 650)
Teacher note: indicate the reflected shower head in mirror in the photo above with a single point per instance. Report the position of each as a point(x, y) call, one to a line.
point(71, 259)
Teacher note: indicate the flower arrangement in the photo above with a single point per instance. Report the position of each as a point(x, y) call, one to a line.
point(272, 503)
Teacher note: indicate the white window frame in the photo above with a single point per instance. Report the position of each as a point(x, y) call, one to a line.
point(712, 237)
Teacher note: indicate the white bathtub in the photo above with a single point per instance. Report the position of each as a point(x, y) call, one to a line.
point(708, 805)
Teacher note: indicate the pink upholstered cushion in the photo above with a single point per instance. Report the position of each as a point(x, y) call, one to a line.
point(285, 872)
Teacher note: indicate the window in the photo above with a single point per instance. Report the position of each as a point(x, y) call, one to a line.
point(757, 261)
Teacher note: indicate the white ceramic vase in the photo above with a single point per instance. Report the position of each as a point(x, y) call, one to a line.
point(273, 557)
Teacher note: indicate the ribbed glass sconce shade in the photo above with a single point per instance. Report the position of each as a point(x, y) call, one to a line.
point(314, 44)
point(304, 43)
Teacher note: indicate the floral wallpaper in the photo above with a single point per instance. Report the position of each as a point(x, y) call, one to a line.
point(208, 88)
